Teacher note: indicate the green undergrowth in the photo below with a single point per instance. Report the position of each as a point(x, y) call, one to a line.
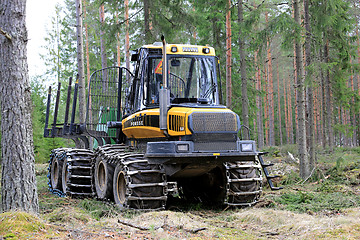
point(333, 186)
point(20, 225)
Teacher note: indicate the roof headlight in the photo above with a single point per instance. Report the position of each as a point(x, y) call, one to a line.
point(206, 50)
point(173, 49)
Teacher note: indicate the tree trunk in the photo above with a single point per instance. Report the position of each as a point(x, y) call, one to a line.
point(323, 104)
point(228, 55)
point(18, 182)
point(303, 156)
point(286, 115)
point(80, 61)
point(102, 35)
point(118, 44)
point(147, 21)
point(266, 106)
point(259, 112)
point(309, 90)
point(279, 105)
point(270, 93)
point(290, 115)
point(244, 96)
point(327, 103)
point(87, 47)
point(127, 42)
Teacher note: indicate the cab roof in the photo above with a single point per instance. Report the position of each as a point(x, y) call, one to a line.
point(183, 49)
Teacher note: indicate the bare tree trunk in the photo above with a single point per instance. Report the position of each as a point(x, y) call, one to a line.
point(80, 61)
point(309, 89)
point(290, 115)
point(279, 105)
point(259, 112)
point(228, 55)
point(118, 55)
point(303, 156)
point(127, 42)
point(286, 115)
point(327, 103)
point(87, 46)
point(102, 40)
point(270, 93)
point(266, 106)
point(323, 103)
point(244, 95)
point(147, 21)
point(18, 182)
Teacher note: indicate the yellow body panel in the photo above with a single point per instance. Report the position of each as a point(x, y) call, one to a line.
point(138, 125)
point(144, 124)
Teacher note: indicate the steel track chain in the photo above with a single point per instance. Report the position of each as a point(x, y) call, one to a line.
point(131, 161)
point(78, 163)
point(79, 172)
point(242, 189)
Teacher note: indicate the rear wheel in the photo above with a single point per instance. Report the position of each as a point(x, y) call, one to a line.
point(65, 176)
point(55, 171)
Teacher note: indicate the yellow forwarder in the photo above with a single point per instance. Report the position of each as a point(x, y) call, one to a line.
point(159, 131)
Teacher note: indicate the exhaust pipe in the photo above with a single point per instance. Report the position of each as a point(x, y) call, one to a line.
point(164, 92)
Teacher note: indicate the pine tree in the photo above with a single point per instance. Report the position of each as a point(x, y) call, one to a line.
point(18, 181)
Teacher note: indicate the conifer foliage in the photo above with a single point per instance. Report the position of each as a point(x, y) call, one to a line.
point(282, 98)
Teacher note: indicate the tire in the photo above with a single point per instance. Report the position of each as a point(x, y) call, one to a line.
point(65, 177)
point(139, 185)
point(119, 187)
point(103, 178)
point(55, 170)
point(56, 173)
point(251, 187)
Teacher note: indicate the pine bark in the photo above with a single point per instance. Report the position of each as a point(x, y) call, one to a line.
point(309, 89)
point(244, 95)
point(266, 106)
point(102, 35)
point(18, 182)
point(127, 41)
point(279, 105)
point(303, 156)
point(286, 115)
point(259, 112)
point(328, 113)
point(147, 21)
point(228, 55)
point(80, 61)
point(87, 47)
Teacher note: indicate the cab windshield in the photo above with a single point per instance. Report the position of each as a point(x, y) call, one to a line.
point(190, 79)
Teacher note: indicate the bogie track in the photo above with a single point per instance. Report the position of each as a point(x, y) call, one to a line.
point(116, 172)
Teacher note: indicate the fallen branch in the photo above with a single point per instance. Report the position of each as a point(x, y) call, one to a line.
point(133, 225)
point(5, 34)
point(195, 230)
point(165, 225)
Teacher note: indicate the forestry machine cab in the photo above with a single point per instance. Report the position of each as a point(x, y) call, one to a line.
point(157, 132)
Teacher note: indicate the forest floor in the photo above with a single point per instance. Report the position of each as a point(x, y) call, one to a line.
point(325, 206)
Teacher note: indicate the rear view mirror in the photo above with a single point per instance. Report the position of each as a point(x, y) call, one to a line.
point(175, 63)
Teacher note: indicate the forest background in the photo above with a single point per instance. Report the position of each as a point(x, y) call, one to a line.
point(255, 41)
